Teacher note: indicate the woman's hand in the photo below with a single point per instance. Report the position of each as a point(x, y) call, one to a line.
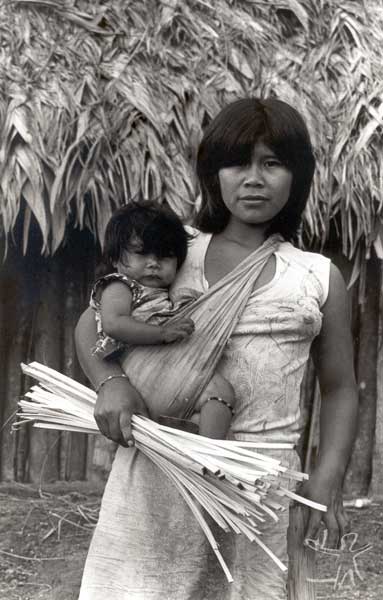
point(328, 491)
point(117, 399)
point(116, 402)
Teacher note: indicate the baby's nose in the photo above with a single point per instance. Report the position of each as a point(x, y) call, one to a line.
point(152, 260)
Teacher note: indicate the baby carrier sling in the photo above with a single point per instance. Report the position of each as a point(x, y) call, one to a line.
point(171, 377)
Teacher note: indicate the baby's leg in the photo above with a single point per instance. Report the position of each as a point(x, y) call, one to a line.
point(216, 407)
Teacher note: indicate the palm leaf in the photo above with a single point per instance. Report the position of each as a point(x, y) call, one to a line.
point(99, 102)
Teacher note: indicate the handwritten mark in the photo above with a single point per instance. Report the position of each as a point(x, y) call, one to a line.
point(346, 559)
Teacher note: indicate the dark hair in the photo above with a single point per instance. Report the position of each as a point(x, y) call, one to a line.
point(229, 141)
point(158, 229)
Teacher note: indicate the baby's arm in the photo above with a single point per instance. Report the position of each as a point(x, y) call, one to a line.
point(118, 323)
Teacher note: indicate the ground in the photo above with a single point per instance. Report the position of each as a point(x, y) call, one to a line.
point(44, 535)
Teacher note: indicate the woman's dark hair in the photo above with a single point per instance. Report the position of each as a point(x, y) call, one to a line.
point(229, 141)
point(156, 227)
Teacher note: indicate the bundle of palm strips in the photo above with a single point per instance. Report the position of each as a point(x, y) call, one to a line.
point(231, 480)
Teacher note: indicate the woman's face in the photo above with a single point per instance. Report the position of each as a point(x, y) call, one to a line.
point(255, 193)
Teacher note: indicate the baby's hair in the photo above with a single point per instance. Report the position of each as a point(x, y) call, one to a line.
point(157, 228)
point(229, 141)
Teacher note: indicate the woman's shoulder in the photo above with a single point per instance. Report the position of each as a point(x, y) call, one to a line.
point(191, 274)
point(302, 257)
point(309, 267)
point(198, 242)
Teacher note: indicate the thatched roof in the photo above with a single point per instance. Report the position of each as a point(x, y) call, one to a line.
point(99, 99)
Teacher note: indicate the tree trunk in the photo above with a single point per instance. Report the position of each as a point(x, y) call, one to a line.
point(16, 322)
point(300, 584)
point(14, 390)
point(74, 445)
point(377, 460)
point(359, 471)
point(45, 445)
point(4, 343)
point(11, 341)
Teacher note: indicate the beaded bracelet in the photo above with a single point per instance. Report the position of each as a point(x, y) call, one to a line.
point(108, 379)
point(219, 399)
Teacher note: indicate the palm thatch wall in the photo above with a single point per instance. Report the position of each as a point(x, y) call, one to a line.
point(101, 99)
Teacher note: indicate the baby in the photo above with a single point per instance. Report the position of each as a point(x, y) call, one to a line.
point(146, 244)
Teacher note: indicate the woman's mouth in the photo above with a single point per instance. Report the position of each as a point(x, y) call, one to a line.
point(254, 199)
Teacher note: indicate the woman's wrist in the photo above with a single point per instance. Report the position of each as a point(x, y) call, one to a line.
point(110, 378)
point(330, 469)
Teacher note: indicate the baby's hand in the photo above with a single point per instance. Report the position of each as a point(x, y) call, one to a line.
point(177, 331)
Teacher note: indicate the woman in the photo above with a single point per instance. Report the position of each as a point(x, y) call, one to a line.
point(255, 167)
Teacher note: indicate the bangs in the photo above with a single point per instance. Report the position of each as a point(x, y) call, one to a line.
point(159, 238)
point(231, 138)
point(145, 227)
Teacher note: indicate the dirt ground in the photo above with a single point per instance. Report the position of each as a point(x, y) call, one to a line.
point(44, 537)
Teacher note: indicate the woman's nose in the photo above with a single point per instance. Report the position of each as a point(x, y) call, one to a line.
point(254, 175)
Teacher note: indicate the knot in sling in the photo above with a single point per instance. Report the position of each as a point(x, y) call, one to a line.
point(171, 377)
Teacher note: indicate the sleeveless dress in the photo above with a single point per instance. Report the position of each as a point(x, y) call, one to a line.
point(147, 544)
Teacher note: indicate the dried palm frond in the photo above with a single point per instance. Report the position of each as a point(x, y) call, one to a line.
point(98, 101)
point(236, 484)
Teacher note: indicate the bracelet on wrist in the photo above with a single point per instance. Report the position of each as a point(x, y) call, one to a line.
point(104, 381)
point(219, 399)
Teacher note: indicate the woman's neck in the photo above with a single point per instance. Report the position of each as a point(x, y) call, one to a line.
point(244, 234)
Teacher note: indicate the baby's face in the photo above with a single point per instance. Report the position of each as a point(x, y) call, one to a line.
point(147, 269)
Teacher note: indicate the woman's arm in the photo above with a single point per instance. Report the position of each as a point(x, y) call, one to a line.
point(333, 358)
point(118, 323)
point(117, 399)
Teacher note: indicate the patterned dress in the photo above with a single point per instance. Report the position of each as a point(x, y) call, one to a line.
point(147, 544)
point(149, 305)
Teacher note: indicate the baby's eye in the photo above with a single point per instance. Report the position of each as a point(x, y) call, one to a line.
point(168, 258)
point(136, 250)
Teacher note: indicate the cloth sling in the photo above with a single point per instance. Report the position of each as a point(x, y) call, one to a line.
point(171, 377)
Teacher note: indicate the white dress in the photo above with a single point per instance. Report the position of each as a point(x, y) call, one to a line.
point(147, 544)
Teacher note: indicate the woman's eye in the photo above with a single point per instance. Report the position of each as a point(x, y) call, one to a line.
point(272, 162)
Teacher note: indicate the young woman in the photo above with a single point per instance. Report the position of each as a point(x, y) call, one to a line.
point(255, 167)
